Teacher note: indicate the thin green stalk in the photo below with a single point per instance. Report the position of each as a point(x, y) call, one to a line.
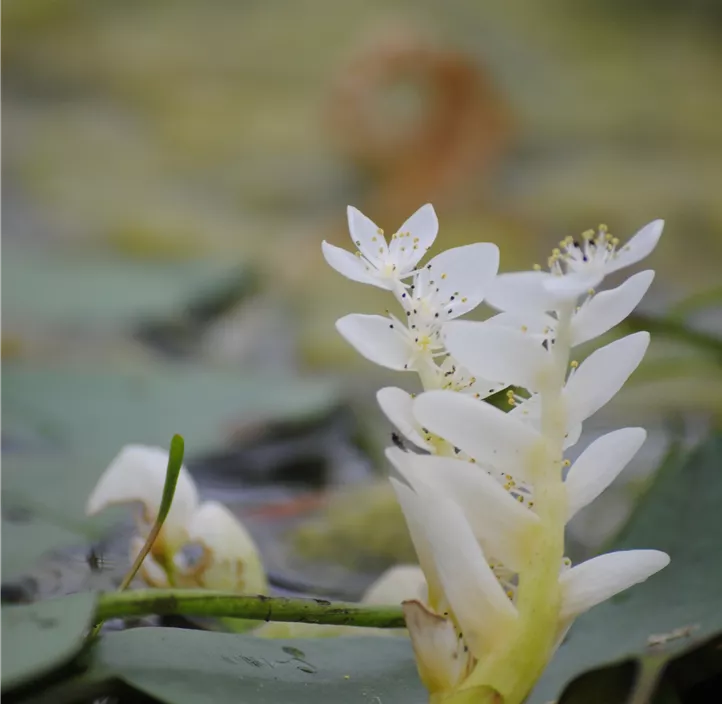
point(203, 602)
point(175, 463)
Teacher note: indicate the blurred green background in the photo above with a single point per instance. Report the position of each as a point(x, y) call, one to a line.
point(170, 169)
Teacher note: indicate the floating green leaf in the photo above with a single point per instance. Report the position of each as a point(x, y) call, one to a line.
point(41, 637)
point(194, 667)
point(43, 500)
point(66, 287)
point(90, 409)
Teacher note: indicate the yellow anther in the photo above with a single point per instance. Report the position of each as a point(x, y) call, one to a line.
point(379, 231)
point(567, 463)
point(574, 364)
point(603, 228)
point(520, 499)
point(443, 276)
point(524, 328)
point(381, 250)
point(358, 254)
point(464, 299)
point(588, 234)
point(615, 241)
point(416, 239)
point(556, 252)
point(374, 238)
point(510, 593)
point(537, 267)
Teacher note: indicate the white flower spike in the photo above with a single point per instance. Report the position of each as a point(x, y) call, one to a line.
point(230, 558)
point(486, 493)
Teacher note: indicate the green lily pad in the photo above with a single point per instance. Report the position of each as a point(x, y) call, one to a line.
point(646, 629)
point(43, 509)
point(41, 637)
point(194, 667)
point(67, 287)
point(95, 411)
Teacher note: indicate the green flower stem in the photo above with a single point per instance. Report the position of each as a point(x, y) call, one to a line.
point(203, 602)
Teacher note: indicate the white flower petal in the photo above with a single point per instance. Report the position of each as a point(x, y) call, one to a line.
point(497, 352)
point(461, 277)
point(415, 514)
point(487, 434)
point(366, 236)
point(234, 563)
point(352, 267)
point(640, 246)
point(483, 611)
point(521, 292)
point(422, 227)
point(376, 338)
point(396, 405)
point(600, 578)
point(574, 432)
point(568, 287)
point(599, 465)
point(538, 326)
point(137, 475)
point(397, 584)
point(605, 310)
point(602, 374)
point(440, 659)
point(500, 523)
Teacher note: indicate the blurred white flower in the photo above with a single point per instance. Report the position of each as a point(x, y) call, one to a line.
point(229, 558)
